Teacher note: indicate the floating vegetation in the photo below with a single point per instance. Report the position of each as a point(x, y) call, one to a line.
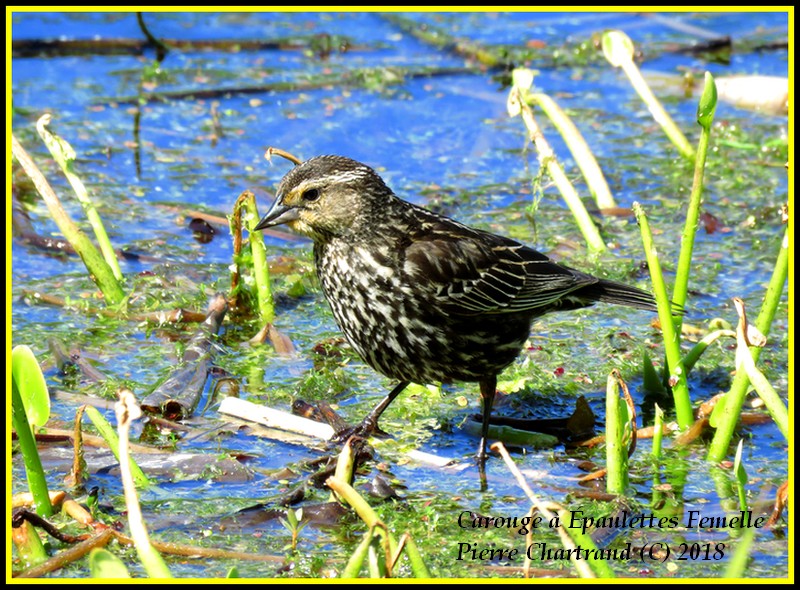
point(630, 448)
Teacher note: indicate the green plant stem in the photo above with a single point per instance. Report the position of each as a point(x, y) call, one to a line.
point(376, 563)
point(418, 566)
point(365, 512)
point(110, 436)
point(30, 549)
point(127, 410)
point(266, 305)
point(70, 555)
point(741, 476)
point(683, 271)
point(660, 115)
point(744, 362)
point(658, 433)
point(651, 380)
point(729, 414)
point(65, 156)
point(618, 50)
point(600, 567)
point(737, 566)
point(345, 465)
point(705, 118)
point(577, 145)
point(104, 564)
point(356, 560)
point(677, 373)
point(700, 347)
point(37, 483)
point(772, 401)
point(548, 160)
point(99, 270)
point(616, 450)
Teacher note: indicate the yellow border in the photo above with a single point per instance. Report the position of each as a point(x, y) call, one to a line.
point(789, 10)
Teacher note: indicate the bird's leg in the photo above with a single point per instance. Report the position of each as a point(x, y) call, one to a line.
point(370, 424)
point(488, 390)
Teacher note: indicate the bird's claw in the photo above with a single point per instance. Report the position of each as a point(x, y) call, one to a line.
point(364, 429)
point(484, 452)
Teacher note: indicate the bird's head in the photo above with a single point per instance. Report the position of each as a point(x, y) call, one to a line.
point(328, 196)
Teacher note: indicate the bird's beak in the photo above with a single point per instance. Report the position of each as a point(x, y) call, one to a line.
point(278, 214)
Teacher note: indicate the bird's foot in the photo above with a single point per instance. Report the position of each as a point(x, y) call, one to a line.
point(483, 454)
point(480, 458)
point(364, 429)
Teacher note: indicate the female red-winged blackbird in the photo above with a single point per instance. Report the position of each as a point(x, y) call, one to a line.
point(423, 298)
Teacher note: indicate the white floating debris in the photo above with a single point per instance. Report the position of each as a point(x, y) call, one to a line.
point(244, 410)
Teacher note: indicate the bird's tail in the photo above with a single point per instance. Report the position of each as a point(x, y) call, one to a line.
point(613, 292)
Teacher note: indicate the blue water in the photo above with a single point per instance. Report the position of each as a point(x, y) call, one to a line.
point(448, 135)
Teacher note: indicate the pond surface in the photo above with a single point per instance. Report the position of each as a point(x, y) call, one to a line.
point(442, 140)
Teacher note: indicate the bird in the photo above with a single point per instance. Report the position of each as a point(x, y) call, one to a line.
point(423, 298)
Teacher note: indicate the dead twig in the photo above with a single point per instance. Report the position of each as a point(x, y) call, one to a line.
point(178, 396)
point(173, 316)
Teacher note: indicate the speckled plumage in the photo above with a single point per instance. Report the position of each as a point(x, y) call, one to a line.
point(421, 297)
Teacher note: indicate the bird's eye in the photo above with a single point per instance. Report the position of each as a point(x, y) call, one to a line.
point(311, 195)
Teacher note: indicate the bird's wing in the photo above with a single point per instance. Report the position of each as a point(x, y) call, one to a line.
point(472, 272)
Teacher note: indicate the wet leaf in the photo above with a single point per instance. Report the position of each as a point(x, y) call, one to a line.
point(27, 375)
